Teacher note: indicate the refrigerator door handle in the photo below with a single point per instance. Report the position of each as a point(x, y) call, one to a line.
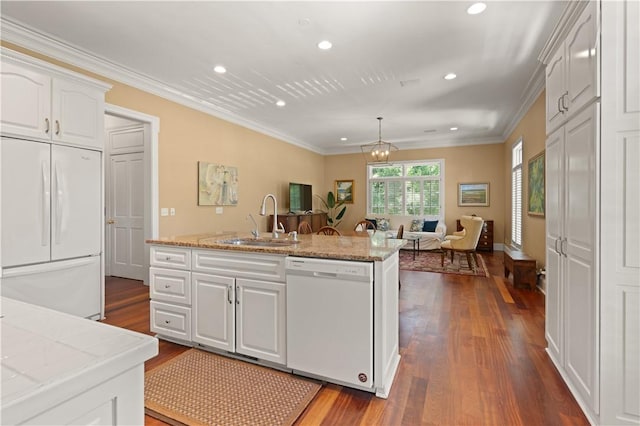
point(46, 205)
point(59, 203)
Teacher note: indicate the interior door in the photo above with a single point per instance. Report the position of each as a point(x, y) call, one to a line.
point(126, 215)
point(76, 202)
point(25, 202)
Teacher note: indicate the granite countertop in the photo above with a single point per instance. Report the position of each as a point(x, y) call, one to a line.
point(359, 246)
point(47, 356)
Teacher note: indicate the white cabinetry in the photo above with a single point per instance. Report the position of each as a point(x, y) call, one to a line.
point(170, 291)
point(571, 73)
point(571, 250)
point(620, 212)
point(36, 105)
point(229, 301)
point(239, 303)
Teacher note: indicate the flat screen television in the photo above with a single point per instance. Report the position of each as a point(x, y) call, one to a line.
point(299, 197)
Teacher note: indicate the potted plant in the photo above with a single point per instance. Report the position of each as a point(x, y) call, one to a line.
point(335, 210)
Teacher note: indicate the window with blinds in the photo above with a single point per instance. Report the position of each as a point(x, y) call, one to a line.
point(516, 194)
point(406, 187)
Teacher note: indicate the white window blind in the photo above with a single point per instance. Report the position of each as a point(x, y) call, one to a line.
point(516, 194)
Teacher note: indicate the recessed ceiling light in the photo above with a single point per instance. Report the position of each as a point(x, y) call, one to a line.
point(343, 139)
point(219, 69)
point(453, 129)
point(476, 8)
point(450, 76)
point(281, 103)
point(325, 45)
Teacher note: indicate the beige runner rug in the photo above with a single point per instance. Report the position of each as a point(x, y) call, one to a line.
point(201, 388)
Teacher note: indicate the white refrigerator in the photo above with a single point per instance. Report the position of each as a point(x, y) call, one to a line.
point(51, 225)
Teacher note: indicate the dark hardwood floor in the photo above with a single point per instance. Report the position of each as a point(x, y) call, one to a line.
point(472, 354)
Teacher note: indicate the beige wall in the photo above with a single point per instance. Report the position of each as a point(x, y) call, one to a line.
point(532, 129)
point(476, 163)
point(265, 165)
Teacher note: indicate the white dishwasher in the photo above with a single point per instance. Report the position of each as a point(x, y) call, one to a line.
point(330, 320)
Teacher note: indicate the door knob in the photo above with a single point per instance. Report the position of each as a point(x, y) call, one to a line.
point(111, 221)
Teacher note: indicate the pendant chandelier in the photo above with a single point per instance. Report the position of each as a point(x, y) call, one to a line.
point(378, 152)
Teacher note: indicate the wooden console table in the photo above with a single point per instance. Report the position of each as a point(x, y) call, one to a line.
point(521, 265)
point(291, 221)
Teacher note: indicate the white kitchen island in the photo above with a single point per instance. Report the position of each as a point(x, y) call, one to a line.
point(235, 299)
point(60, 369)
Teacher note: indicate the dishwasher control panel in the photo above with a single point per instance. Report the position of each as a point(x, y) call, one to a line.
point(329, 266)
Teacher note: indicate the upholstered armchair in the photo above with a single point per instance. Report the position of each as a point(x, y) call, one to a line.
point(464, 241)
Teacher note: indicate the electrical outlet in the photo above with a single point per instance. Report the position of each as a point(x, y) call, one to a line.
point(164, 211)
point(218, 210)
point(172, 211)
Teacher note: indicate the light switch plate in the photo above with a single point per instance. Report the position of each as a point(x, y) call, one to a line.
point(172, 211)
point(218, 210)
point(164, 211)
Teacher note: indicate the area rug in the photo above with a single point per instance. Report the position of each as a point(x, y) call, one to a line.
point(201, 388)
point(428, 261)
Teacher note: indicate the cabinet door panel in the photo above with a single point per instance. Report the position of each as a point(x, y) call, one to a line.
point(260, 316)
point(26, 102)
point(582, 58)
point(555, 84)
point(213, 311)
point(78, 114)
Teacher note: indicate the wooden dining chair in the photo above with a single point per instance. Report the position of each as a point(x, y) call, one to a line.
point(400, 232)
point(363, 225)
point(328, 230)
point(305, 228)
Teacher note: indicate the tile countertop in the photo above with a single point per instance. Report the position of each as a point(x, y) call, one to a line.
point(359, 246)
point(49, 356)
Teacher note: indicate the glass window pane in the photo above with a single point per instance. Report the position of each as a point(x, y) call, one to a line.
point(385, 171)
point(394, 202)
point(412, 194)
point(377, 197)
point(427, 169)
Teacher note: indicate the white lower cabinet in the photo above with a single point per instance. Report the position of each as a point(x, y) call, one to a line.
point(240, 315)
point(230, 301)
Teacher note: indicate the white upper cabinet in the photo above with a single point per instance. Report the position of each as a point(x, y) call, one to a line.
point(47, 103)
point(572, 72)
point(26, 102)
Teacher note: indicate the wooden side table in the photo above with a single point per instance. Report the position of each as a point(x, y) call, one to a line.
point(485, 243)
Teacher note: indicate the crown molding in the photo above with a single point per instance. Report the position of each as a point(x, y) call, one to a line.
point(426, 144)
point(569, 17)
point(44, 44)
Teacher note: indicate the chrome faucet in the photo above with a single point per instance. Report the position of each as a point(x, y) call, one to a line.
point(255, 232)
point(263, 212)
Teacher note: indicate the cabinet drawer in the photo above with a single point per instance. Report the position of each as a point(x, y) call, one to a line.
point(170, 285)
point(171, 320)
point(171, 257)
point(242, 265)
point(484, 244)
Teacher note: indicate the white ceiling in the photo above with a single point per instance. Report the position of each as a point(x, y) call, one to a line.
point(388, 59)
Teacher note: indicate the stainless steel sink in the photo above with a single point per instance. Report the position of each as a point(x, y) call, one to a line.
point(260, 242)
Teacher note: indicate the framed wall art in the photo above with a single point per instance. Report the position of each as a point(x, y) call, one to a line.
point(473, 194)
point(217, 185)
point(344, 191)
point(535, 206)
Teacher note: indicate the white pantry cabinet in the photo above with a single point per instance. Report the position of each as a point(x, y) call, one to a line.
point(571, 73)
point(593, 215)
point(39, 105)
point(571, 250)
